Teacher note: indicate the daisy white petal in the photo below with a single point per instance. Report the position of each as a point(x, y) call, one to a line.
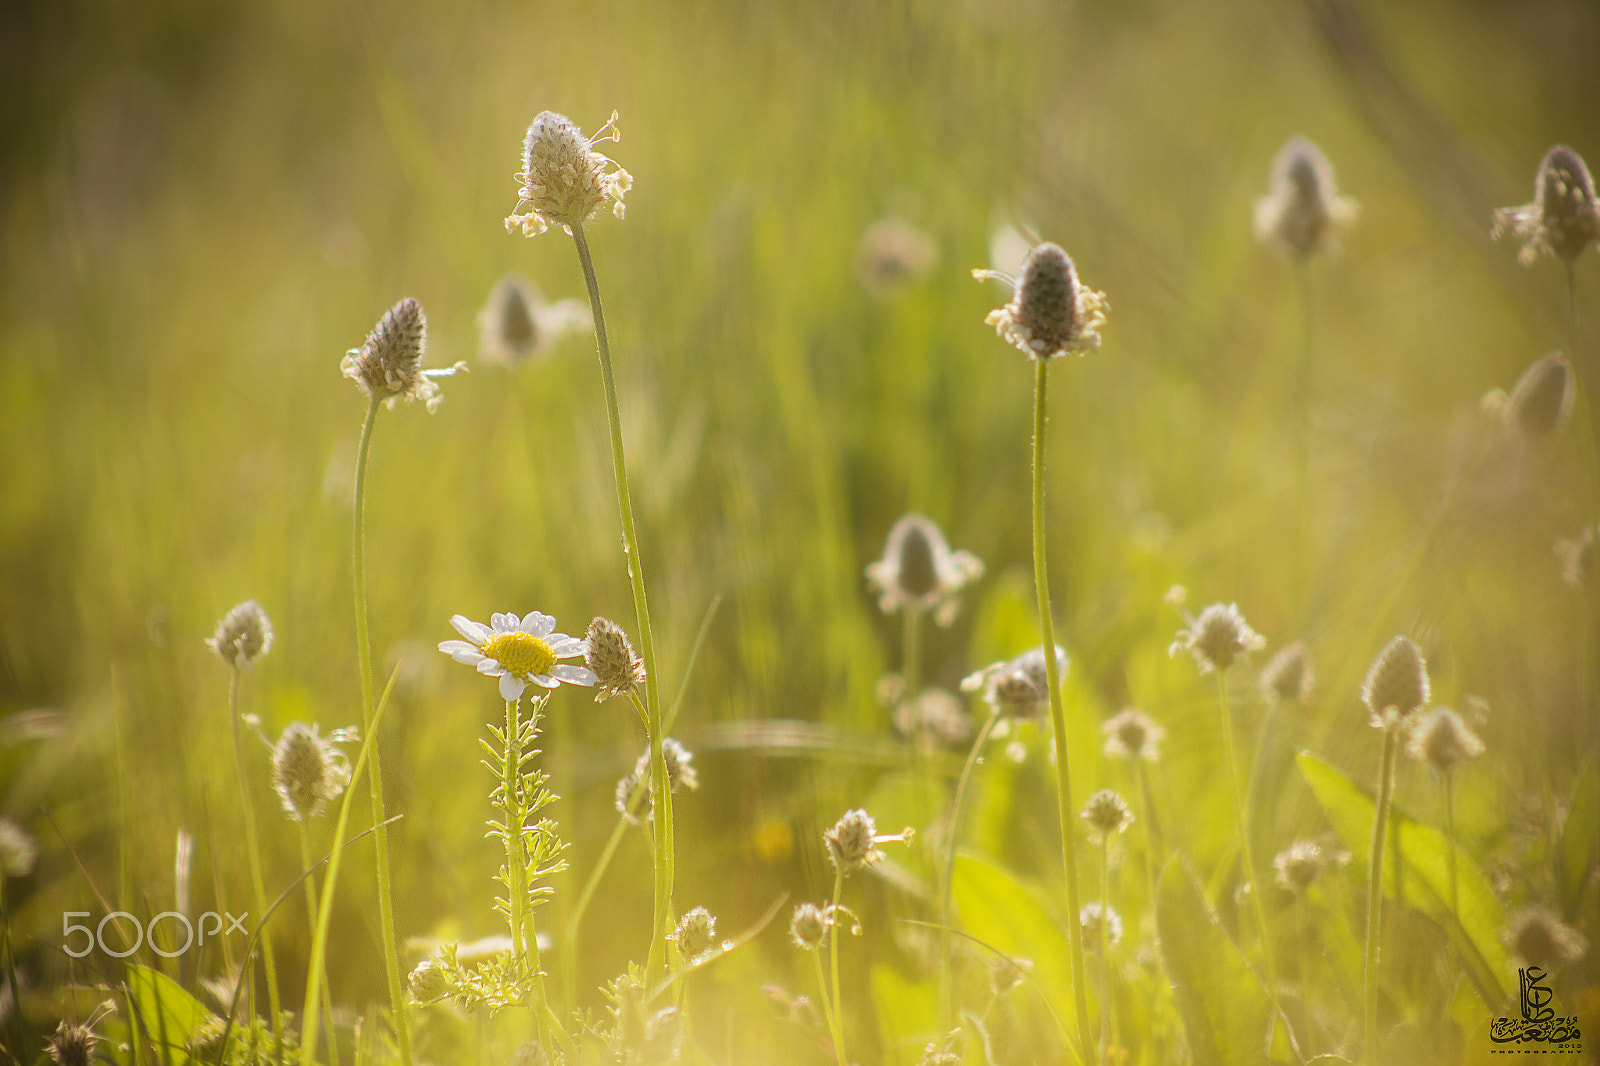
point(490, 668)
point(504, 623)
point(577, 675)
point(544, 680)
point(476, 632)
point(511, 687)
point(564, 645)
point(538, 625)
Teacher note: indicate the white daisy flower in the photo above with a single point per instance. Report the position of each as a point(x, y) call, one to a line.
point(519, 651)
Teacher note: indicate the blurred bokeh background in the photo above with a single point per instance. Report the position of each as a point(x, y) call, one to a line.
point(204, 206)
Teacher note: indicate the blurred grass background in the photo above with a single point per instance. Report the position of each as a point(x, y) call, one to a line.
point(205, 205)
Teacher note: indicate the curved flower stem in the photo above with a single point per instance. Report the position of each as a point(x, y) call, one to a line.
point(1058, 714)
point(647, 646)
point(834, 1032)
point(391, 958)
point(1105, 943)
point(253, 849)
point(306, 865)
point(1241, 824)
point(833, 964)
point(1369, 1044)
point(946, 977)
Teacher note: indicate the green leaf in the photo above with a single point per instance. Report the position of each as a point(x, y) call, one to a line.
point(1223, 1003)
point(1423, 860)
point(1575, 850)
point(1000, 910)
point(166, 1012)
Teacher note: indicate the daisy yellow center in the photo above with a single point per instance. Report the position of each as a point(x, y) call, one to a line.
point(522, 654)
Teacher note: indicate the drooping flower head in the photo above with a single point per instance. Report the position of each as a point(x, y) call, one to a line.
point(519, 651)
point(1131, 734)
point(243, 636)
point(308, 772)
point(1218, 637)
point(610, 657)
point(1443, 741)
point(1563, 219)
point(1017, 688)
point(517, 324)
point(1106, 814)
point(1397, 684)
point(388, 366)
point(1287, 677)
point(919, 572)
point(1050, 313)
point(564, 180)
point(1303, 211)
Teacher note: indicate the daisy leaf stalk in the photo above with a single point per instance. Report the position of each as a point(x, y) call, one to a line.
point(1050, 314)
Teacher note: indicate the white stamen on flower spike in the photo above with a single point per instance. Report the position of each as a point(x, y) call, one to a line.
point(1051, 313)
point(1563, 219)
point(564, 180)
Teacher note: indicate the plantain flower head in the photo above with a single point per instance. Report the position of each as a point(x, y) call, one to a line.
point(564, 180)
point(1443, 741)
point(1397, 684)
point(243, 636)
point(1303, 211)
point(518, 325)
point(1218, 637)
point(1563, 219)
point(1050, 313)
point(919, 572)
point(388, 366)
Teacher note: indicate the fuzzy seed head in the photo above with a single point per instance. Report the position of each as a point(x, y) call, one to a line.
point(851, 840)
point(1443, 741)
point(1397, 684)
point(1287, 678)
point(71, 1045)
point(1300, 864)
point(1539, 937)
point(1303, 212)
point(1133, 735)
point(696, 934)
point(243, 636)
point(1092, 917)
point(428, 981)
point(919, 572)
point(1218, 637)
point(1542, 398)
point(617, 669)
point(18, 849)
point(1051, 313)
point(388, 366)
point(1020, 687)
point(1106, 814)
point(564, 181)
point(808, 927)
point(509, 329)
point(1563, 219)
point(308, 772)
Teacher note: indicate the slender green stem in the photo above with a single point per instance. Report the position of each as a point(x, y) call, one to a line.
point(664, 857)
point(834, 1032)
point(1105, 944)
point(310, 885)
point(1303, 429)
point(252, 846)
point(516, 863)
point(1369, 1045)
point(391, 958)
point(1455, 898)
point(575, 919)
point(946, 976)
point(1058, 714)
point(911, 687)
point(1241, 824)
point(833, 963)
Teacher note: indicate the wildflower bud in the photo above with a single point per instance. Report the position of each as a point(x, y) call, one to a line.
point(919, 572)
point(243, 636)
point(1050, 313)
point(18, 850)
point(808, 927)
point(850, 841)
point(308, 772)
point(1132, 735)
point(1218, 637)
point(1397, 685)
point(695, 934)
point(1300, 864)
point(1092, 917)
point(71, 1045)
point(1106, 813)
point(1563, 218)
point(633, 795)
point(680, 771)
point(564, 180)
point(429, 982)
point(610, 655)
point(1539, 937)
point(1542, 398)
point(1444, 741)
point(1303, 211)
point(1287, 677)
point(1020, 687)
point(389, 364)
point(1006, 973)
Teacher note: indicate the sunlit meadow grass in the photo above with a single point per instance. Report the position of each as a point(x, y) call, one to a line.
point(205, 210)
